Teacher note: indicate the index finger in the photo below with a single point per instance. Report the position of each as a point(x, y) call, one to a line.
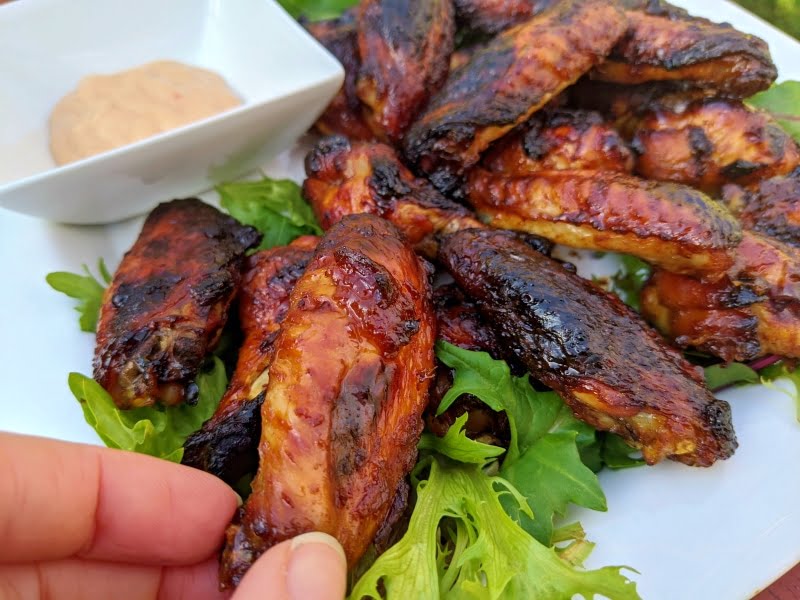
point(59, 500)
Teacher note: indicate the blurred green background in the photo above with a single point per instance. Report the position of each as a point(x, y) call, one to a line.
point(784, 14)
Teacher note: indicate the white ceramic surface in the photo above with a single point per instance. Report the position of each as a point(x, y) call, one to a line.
point(694, 534)
point(283, 76)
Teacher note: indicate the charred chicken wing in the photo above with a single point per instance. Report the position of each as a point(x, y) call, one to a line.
point(164, 311)
point(344, 114)
point(611, 369)
point(771, 208)
point(227, 444)
point(346, 178)
point(347, 386)
point(669, 225)
point(722, 319)
point(506, 81)
point(712, 143)
point(665, 43)
point(493, 16)
point(405, 48)
point(558, 140)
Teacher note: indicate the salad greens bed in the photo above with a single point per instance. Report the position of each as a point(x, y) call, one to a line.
point(486, 520)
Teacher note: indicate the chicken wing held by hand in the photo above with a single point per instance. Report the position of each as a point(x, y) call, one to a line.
point(711, 143)
point(505, 82)
point(666, 224)
point(613, 371)
point(347, 387)
point(665, 43)
point(166, 306)
point(346, 178)
point(405, 48)
point(227, 444)
point(558, 140)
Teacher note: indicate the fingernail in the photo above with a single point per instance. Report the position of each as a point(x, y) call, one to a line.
point(317, 568)
point(239, 501)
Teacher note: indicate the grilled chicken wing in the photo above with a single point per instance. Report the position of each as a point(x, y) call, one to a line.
point(665, 43)
point(722, 319)
point(505, 82)
point(347, 386)
point(165, 309)
point(771, 208)
point(557, 140)
point(668, 225)
point(347, 178)
point(405, 47)
point(344, 114)
point(494, 16)
point(611, 369)
point(712, 143)
point(227, 444)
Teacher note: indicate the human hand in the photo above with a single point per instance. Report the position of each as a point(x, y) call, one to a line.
point(85, 522)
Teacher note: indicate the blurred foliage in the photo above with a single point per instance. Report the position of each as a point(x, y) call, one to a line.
point(784, 14)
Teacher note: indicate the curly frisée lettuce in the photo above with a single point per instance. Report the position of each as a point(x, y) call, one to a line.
point(155, 431)
point(461, 543)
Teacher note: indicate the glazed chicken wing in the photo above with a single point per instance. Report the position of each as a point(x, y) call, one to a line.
point(346, 178)
point(728, 321)
point(771, 208)
point(347, 386)
point(665, 43)
point(405, 47)
point(506, 81)
point(558, 140)
point(227, 444)
point(712, 143)
point(344, 114)
point(494, 16)
point(668, 225)
point(164, 311)
point(613, 371)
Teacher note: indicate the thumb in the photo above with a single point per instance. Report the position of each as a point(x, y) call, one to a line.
point(309, 566)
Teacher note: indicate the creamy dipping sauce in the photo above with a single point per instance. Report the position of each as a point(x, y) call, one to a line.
point(108, 111)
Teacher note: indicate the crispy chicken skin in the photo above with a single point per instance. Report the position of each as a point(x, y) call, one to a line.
point(346, 178)
point(347, 387)
point(166, 306)
point(721, 319)
point(494, 16)
point(771, 208)
point(505, 82)
point(405, 48)
point(669, 225)
point(665, 43)
point(613, 371)
point(712, 143)
point(227, 444)
point(557, 140)
point(344, 114)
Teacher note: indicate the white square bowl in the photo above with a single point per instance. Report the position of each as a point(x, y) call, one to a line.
point(283, 76)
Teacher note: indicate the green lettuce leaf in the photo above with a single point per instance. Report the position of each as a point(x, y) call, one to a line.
point(617, 454)
point(156, 431)
point(543, 460)
point(783, 101)
point(273, 206)
point(720, 376)
point(456, 445)
point(86, 289)
point(784, 14)
point(491, 556)
point(628, 281)
point(316, 10)
point(782, 370)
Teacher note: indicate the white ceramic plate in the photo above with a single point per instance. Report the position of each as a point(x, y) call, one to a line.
point(694, 534)
point(283, 76)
